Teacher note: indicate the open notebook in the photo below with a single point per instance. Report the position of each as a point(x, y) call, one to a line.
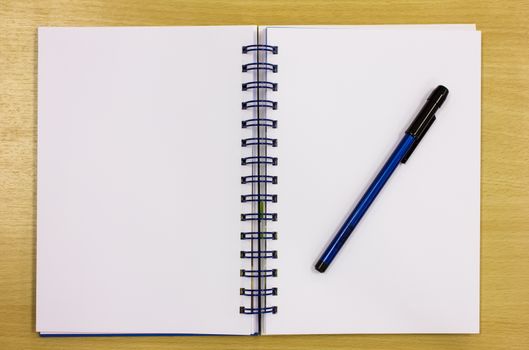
point(189, 178)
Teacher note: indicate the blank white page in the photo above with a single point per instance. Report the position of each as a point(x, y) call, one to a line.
point(345, 98)
point(139, 180)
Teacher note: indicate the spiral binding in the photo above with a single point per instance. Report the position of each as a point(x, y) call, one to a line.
point(269, 48)
point(259, 141)
point(259, 273)
point(259, 66)
point(257, 292)
point(263, 254)
point(259, 160)
point(259, 235)
point(259, 217)
point(258, 122)
point(258, 310)
point(259, 104)
point(259, 198)
point(259, 179)
point(259, 85)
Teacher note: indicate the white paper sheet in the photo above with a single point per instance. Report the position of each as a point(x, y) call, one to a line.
point(139, 180)
point(345, 98)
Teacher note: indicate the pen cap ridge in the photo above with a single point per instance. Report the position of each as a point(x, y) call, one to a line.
point(434, 101)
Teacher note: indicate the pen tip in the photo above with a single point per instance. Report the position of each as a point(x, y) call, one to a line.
point(321, 266)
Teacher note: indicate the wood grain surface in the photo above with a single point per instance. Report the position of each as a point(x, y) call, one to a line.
point(505, 157)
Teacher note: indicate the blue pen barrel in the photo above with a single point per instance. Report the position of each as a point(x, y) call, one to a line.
point(414, 134)
point(365, 202)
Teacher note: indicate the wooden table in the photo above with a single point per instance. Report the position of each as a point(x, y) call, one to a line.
point(505, 157)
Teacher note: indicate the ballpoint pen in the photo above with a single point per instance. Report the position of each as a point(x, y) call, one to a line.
point(402, 152)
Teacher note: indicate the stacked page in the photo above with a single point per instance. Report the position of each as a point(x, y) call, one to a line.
point(345, 99)
point(139, 185)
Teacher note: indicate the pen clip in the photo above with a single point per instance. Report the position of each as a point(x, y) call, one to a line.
point(418, 138)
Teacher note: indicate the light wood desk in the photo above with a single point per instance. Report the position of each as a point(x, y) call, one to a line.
point(505, 157)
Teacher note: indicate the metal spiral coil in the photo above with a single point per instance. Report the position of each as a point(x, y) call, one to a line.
point(257, 252)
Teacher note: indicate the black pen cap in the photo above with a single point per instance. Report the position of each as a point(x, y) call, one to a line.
point(425, 118)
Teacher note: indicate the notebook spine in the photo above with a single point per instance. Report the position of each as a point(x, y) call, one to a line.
point(260, 180)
